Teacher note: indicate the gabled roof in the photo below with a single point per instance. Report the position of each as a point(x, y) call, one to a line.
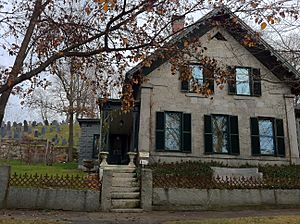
point(264, 52)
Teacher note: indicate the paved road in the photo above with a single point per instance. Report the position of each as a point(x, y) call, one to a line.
point(136, 218)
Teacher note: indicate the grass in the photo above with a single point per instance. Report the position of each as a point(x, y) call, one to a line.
point(245, 220)
point(20, 167)
point(19, 221)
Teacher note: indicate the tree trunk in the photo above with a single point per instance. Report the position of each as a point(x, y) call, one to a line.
point(3, 102)
point(71, 136)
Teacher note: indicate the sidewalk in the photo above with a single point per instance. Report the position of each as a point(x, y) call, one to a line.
point(128, 218)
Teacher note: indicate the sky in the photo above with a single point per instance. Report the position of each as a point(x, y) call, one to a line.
point(14, 110)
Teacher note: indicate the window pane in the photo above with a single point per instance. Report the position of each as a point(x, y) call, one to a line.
point(266, 137)
point(173, 131)
point(242, 81)
point(197, 73)
point(220, 134)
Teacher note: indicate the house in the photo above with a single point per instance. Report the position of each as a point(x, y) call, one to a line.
point(251, 120)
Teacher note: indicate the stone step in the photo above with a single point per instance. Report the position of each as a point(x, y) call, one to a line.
point(124, 182)
point(125, 189)
point(127, 210)
point(125, 195)
point(124, 175)
point(125, 203)
point(121, 170)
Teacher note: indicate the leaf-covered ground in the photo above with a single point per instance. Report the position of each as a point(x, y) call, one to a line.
point(247, 220)
point(19, 221)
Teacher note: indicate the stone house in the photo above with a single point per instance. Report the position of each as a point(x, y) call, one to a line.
point(251, 120)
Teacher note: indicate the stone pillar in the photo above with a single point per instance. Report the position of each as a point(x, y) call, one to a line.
point(4, 183)
point(106, 190)
point(291, 129)
point(134, 133)
point(145, 120)
point(146, 189)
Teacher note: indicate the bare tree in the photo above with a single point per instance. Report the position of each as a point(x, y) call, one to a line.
point(111, 33)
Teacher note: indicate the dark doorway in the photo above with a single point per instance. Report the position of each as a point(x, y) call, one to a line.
point(118, 149)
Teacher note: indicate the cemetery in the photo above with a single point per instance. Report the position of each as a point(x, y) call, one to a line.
point(34, 142)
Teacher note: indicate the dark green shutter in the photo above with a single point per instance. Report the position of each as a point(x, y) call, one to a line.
point(208, 76)
point(186, 133)
point(256, 82)
point(255, 143)
point(160, 131)
point(231, 81)
point(234, 135)
point(208, 137)
point(280, 146)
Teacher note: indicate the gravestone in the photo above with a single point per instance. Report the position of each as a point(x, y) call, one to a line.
point(36, 133)
point(3, 131)
point(29, 130)
point(51, 129)
point(46, 122)
point(25, 123)
point(64, 141)
point(16, 134)
point(58, 128)
point(55, 123)
point(8, 126)
point(44, 129)
point(33, 123)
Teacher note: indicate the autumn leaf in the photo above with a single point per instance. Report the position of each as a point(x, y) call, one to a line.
point(186, 43)
point(105, 7)
point(125, 41)
point(88, 10)
point(263, 25)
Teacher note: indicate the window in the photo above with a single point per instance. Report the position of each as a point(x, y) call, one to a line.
point(245, 81)
point(173, 131)
point(96, 145)
point(200, 76)
point(267, 136)
point(221, 134)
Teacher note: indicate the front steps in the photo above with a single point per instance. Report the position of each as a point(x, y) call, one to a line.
point(125, 190)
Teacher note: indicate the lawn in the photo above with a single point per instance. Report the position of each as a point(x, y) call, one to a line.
point(18, 221)
point(21, 167)
point(246, 220)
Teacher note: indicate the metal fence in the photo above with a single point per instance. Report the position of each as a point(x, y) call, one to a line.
point(88, 182)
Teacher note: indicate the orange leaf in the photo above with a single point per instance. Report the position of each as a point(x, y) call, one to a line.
point(263, 25)
point(88, 10)
point(105, 7)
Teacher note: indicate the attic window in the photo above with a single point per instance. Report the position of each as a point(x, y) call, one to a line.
point(219, 36)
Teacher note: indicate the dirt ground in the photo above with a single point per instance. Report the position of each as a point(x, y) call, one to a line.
point(135, 218)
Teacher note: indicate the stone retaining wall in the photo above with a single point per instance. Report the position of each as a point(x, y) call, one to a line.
point(56, 199)
point(189, 199)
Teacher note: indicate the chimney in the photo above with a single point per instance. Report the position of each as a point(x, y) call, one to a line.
point(177, 23)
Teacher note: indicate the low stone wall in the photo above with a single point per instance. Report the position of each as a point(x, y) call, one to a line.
point(56, 199)
point(189, 199)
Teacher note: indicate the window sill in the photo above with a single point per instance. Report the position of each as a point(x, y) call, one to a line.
point(244, 97)
point(196, 95)
point(170, 151)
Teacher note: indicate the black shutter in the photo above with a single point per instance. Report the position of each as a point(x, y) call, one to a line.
point(280, 146)
point(208, 76)
point(234, 135)
point(208, 137)
point(186, 133)
point(256, 82)
point(185, 86)
point(231, 80)
point(160, 131)
point(255, 143)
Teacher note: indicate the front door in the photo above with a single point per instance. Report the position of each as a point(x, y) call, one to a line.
point(118, 149)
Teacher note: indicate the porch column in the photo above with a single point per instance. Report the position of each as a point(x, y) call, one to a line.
point(291, 129)
point(145, 120)
point(134, 133)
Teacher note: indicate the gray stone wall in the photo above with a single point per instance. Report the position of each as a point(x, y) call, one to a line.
point(88, 130)
point(174, 199)
point(56, 199)
point(162, 93)
point(4, 180)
